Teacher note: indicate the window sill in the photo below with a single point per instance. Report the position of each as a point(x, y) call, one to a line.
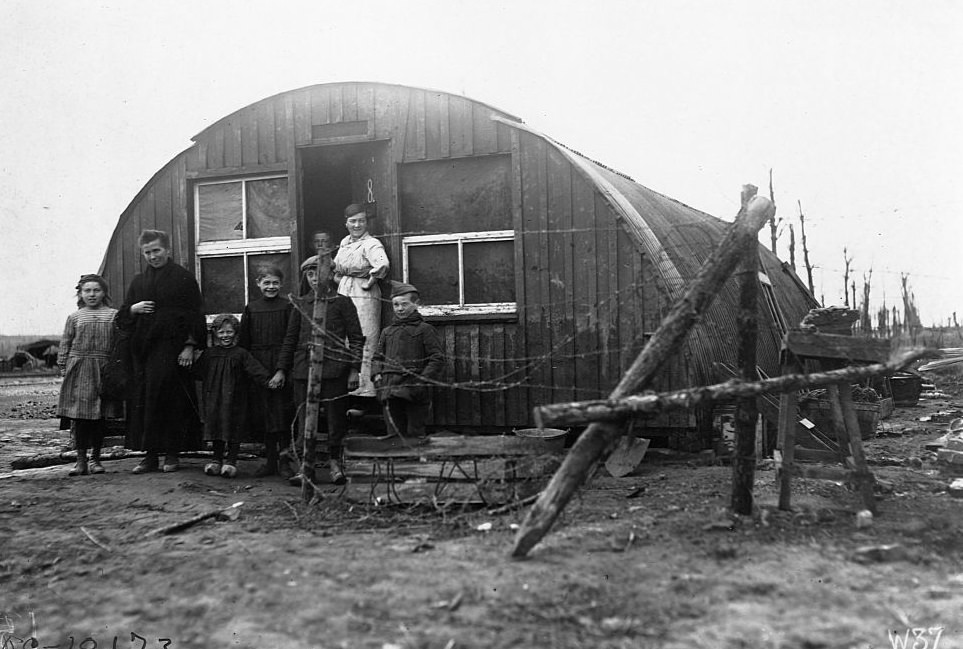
point(447, 318)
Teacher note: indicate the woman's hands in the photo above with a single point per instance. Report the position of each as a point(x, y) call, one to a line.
point(368, 283)
point(186, 357)
point(144, 307)
point(277, 381)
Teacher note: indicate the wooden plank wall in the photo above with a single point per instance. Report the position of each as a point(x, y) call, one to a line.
point(583, 301)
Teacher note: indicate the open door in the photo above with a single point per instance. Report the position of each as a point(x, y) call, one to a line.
point(334, 176)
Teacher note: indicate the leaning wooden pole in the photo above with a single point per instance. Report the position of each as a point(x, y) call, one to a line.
point(580, 413)
point(312, 404)
point(744, 459)
point(592, 443)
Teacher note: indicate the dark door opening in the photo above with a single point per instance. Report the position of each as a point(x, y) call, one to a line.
point(333, 177)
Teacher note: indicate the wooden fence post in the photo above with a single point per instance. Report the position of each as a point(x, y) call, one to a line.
point(747, 413)
point(312, 405)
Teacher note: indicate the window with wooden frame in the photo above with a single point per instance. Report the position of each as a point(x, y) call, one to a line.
point(458, 244)
point(240, 224)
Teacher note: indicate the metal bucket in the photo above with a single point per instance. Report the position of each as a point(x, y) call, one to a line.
point(552, 438)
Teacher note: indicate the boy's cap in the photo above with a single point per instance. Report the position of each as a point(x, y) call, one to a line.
point(401, 288)
point(310, 262)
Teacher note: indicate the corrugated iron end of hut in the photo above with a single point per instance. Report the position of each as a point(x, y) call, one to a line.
point(542, 270)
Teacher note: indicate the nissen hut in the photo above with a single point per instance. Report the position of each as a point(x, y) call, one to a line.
point(544, 271)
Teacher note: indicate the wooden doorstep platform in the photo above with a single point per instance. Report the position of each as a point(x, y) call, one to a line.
point(447, 470)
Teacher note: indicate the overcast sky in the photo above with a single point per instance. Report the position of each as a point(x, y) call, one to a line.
point(856, 106)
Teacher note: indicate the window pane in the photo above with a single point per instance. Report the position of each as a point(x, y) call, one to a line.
point(222, 284)
point(219, 211)
point(489, 271)
point(462, 195)
point(434, 272)
point(267, 208)
point(254, 262)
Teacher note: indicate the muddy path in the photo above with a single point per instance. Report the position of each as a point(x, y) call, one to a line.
point(667, 567)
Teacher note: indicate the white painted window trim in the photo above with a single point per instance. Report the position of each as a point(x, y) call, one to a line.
point(458, 238)
point(242, 247)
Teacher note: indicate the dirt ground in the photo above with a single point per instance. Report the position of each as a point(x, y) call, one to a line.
point(650, 560)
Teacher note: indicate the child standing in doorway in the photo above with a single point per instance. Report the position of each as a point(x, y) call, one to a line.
point(407, 360)
point(84, 350)
point(227, 370)
point(263, 325)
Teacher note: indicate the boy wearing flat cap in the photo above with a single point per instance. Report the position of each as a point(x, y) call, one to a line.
point(343, 343)
point(406, 362)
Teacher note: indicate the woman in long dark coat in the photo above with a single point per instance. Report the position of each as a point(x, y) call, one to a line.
point(162, 313)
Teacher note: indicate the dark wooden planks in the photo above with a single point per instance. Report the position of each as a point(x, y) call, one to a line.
point(215, 148)
point(349, 102)
point(585, 293)
point(561, 282)
point(415, 126)
point(163, 216)
point(496, 377)
point(484, 134)
point(437, 144)
point(249, 143)
point(450, 446)
point(232, 141)
point(320, 110)
point(846, 348)
point(515, 345)
point(537, 333)
point(181, 230)
point(302, 118)
point(443, 407)
point(366, 111)
point(460, 126)
point(266, 140)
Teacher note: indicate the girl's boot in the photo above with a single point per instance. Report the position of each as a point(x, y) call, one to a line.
point(95, 465)
point(81, 467)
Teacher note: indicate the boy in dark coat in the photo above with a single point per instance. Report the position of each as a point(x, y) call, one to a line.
point(407, 361)
point(343, 345)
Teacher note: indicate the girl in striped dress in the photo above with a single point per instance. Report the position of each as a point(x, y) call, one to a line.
point(84, 350)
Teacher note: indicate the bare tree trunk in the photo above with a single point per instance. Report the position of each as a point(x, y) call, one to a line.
point(848, 260)
point(773, 223)
point(599, 437)
point(792, 248)
point(865, 320)
point(805, 247)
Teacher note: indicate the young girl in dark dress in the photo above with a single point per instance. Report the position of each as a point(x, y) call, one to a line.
point(84, 349)
point(263, 325)
point(227, 370)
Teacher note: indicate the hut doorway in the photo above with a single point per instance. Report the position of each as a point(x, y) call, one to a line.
point(333, 177)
